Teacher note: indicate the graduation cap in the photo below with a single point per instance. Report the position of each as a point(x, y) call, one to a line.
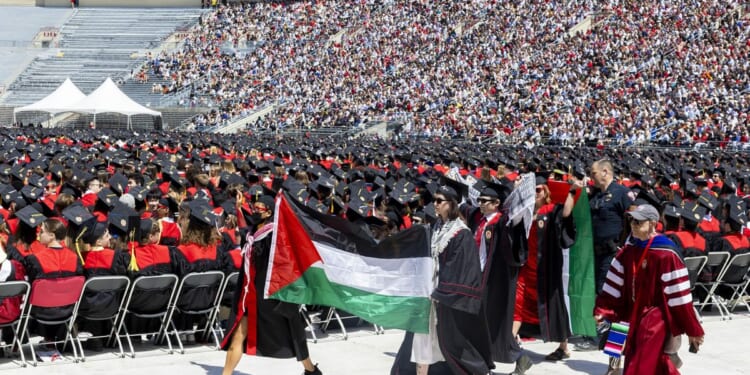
point(30, 216)
point(295, 189)
point(708, 200)
point(649, 197)
point(226, 179)
point(357, 208)
point(107, 197)
point(123, 219)
point(95, 232)
point(317, 205)
point(494, 190)
point(268, 201)
point(692, 212)
point(672, 211)
point(144, 227)
point(118, 183)
point(18, 172)
point(76, 215)
point(37, 181)
point(457, 189)
point(31, 193)
point(202, 213)
point(737, 216)
point(139, 193)
point(403, 192)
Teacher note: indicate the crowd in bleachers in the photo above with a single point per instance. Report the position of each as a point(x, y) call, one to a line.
point(670, 72)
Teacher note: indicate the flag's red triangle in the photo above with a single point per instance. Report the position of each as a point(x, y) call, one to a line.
point(294, 252)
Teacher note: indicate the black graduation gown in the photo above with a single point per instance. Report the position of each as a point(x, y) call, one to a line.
point(278, 330)
point(556, 234)
point(462, 328)
point(506, 253)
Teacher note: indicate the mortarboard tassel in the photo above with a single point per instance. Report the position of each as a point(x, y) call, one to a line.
point(133, 266)
point(78, 245)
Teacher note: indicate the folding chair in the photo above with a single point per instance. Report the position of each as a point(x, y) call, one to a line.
point(695, 266)
point(716, 262)
point(149, 297)
point(109, 292)
point(735, 277)
point(20, 290)
point(197, 295)
point(54, 293)
point(308, 318)
point(333, 314)
point(225, 299)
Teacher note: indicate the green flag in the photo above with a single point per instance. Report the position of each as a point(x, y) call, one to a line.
point(581, 288)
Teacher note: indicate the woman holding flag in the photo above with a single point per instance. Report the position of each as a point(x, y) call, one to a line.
point(259, 326)
point(461, 343)
point(540, 297)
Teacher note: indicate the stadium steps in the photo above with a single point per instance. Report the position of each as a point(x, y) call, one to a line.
point(6, 115)
point(97, 43)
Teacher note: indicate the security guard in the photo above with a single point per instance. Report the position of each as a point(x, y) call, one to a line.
point(609, 201)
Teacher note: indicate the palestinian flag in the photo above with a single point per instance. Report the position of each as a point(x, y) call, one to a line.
point(578, 272)
point(320, 259)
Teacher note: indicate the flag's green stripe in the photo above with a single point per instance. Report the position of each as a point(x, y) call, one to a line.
point(314, 288)
point(581, 289)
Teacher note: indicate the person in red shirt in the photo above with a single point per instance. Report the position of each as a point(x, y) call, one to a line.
point(540, 298)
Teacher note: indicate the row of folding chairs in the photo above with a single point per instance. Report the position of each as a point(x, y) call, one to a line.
point(161, 297)
point(730, 272)
point(321, 320)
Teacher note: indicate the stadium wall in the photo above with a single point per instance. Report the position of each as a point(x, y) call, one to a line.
point(122, 3)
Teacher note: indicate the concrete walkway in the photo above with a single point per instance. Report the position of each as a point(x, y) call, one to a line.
point(365, 353)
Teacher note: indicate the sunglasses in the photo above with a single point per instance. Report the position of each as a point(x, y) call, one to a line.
point(484, 200)
point(260, 209)
point(440, 200)
point(539, 190)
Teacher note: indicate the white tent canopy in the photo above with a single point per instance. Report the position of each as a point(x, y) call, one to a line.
point(108, 98)
point(58, 101)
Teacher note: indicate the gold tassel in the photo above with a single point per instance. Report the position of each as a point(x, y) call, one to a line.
point(133, 266)
point(78, 245)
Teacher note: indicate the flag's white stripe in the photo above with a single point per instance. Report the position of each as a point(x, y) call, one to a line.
point(403, 277)
point(272, 253)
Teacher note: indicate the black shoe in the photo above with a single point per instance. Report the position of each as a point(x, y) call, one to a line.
point(587, 345)
point(314, 372)
point(522, 364)
point(557, 355)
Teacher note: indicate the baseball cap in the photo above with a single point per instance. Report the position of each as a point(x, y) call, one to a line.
point(645, 212)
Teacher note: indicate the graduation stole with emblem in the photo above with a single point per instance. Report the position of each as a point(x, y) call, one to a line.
point(247, 254)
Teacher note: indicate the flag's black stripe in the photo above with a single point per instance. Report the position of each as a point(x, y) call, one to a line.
point(340, 233)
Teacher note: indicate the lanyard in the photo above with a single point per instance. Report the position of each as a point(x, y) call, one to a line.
point(640, 264)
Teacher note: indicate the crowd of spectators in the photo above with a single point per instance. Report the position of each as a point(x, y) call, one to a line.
point(667, 72)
